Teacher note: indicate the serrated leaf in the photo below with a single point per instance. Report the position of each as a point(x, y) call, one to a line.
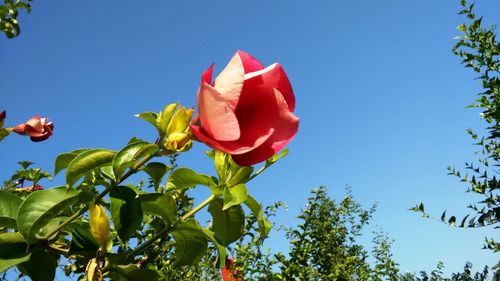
point(156, 171)
point(126, 211)
point(264, 225)
point(220, 249)
point(40, 207)
point(86, 162)
point(9, 204)
point(159, 204)
point(234, 196)
point(227, 225)
point(125, 158)
point(190, 243)
point(183, 178)
point(63, 160)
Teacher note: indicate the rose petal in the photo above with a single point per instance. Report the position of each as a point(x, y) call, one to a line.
point(216, 116)
point(278, 117)
point(230, 81)
point(242, 145)
point(249, 63)
point(274, 76)
point(207, 75)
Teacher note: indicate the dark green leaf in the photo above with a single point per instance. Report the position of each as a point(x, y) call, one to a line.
point(156, 171)
point(86, 162)
point(12, 250)
point(132, 273)
point(82, 241)
point(40, 207)
point(159, 204)
point(9, 204)
point(41, 266)
point(190, 243)
point(227, 225)
point(126, 211)
point(220, 249)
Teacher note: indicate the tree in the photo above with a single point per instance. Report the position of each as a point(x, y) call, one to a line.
point(480, 51)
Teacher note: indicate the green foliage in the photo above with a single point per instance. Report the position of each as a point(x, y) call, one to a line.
point(479, 50)
point(8, 16)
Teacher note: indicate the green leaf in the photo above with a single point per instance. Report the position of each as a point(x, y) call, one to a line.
point(159, 204)
point(264, 224)
point(132, 273)
point(156, 171)
point(82, 241)
point(234, 196)
point(12, 250)
point(41, 266)
point(150, 117)
point(63, 160)
point(183, 178)
point(125, 158)
point(227, 225)
point(126, 211)
point(239, 175)
point(9, 204)
point(190, 243)
point(220, 249)
point(86, 162)
point(40, 207)
point(147, 151)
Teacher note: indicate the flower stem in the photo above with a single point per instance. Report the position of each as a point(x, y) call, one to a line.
point(167, 229)
point(99, 197)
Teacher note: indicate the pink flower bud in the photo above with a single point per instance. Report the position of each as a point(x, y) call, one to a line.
point(37, 128)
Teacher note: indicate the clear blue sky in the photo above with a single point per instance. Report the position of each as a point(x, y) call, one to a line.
point(380, 96)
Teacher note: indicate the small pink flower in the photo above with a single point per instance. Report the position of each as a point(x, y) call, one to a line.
point(247, 111)
point(37, 128)
point(30, 188)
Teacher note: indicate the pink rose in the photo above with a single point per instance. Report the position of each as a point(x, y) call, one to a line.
point(247, 111)
point(37, 128)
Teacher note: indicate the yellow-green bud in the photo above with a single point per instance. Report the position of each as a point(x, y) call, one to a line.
point(99, 224)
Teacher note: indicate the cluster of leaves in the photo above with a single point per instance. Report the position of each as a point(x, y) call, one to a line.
point(479, 50)
point(153, 234)
point(8, 16)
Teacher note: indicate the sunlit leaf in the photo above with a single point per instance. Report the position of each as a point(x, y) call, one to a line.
point(234, 196)
point(86, 162)
point(183, 178)
point(159, 204)
point(40, 207)
point(9, 204)
point(63, 160)
point(254, 206)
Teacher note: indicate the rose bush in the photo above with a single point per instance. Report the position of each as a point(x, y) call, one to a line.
point(247, 111)
point(37, 128)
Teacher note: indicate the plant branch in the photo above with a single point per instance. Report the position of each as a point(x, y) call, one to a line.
point(167, 229)
point(99, 197)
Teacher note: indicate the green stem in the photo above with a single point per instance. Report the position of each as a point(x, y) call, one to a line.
point(167, 229)
point(99, 197)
